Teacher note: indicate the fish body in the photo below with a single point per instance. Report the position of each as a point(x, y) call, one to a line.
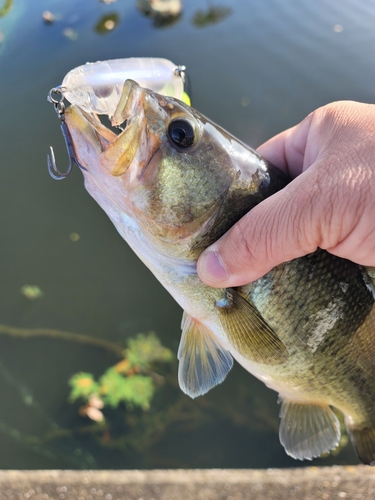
point(172, 183)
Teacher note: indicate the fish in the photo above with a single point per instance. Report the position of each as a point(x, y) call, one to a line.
point(173, 182)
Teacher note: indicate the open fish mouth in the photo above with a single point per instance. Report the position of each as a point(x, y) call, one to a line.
point(94, 142)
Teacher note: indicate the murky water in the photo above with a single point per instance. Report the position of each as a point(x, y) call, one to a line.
point(257, 68)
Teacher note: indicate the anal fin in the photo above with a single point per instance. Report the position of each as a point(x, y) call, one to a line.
point(363, 440)
point(308, 430)
point(204, 363)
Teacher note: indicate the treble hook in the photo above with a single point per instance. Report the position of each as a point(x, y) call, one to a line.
point(59, 106)
point(54, 172)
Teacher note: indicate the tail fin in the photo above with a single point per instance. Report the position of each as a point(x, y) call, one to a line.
point(364, 443)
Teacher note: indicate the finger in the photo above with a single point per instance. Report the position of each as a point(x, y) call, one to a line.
point(236, 259)
point(287, 149)
point(277, 230)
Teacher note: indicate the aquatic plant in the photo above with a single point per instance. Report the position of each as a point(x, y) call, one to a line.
point(135, 408)
point(31, 292)
point(130, 381)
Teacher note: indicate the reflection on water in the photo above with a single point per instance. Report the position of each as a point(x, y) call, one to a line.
point(256, 72)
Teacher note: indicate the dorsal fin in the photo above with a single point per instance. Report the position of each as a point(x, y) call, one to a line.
point(204, 363)
point(308, 430)
point(248, 331)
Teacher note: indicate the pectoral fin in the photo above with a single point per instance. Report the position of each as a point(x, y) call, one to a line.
point(248, 331)
point(308, 430)
point(203, 362)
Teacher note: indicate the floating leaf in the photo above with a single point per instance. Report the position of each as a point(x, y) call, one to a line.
point(31, 292)
point(107, 23)
point(213, 15)
point(5, 8)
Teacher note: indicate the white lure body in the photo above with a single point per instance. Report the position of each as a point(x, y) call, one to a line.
point(97, 87)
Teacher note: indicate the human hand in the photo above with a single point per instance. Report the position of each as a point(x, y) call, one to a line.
point(329, 204)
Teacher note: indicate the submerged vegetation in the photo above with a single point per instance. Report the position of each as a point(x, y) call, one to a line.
point(136, 408)
point(130, 382)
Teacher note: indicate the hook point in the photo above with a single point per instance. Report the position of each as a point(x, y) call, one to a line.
point(53, 171)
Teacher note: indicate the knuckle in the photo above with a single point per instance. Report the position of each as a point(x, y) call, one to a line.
point(300, 228)
point(243, 251)
point(257, 237)
point(252, 240)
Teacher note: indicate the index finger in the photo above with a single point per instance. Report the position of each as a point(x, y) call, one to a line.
point(287, 149)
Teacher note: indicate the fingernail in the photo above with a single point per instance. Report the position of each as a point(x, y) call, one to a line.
point(212, 267)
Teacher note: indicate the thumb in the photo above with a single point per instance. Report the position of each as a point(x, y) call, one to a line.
point(279, 229)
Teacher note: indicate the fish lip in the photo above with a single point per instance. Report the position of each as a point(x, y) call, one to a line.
point(75, 116)
point(88, 135)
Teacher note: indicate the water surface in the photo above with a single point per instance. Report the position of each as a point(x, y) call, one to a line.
point(256, 71)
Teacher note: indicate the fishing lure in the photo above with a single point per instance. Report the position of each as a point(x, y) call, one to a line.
point(97, 87)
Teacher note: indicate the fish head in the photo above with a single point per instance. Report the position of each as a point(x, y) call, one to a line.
point(170, 169)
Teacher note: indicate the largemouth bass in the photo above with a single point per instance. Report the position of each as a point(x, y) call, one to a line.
point(172, 182)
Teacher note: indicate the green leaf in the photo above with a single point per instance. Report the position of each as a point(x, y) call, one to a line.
point(137, 390)
point(82, 386)
point(146, 349)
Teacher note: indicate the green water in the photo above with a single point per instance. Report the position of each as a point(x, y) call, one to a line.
point(259, 69)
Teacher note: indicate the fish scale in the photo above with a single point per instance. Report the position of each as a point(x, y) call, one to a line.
point(290, 314)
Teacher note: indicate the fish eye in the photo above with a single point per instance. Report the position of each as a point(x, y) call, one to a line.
point(181, 132)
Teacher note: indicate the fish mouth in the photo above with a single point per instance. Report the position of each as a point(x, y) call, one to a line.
point(94, 143)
